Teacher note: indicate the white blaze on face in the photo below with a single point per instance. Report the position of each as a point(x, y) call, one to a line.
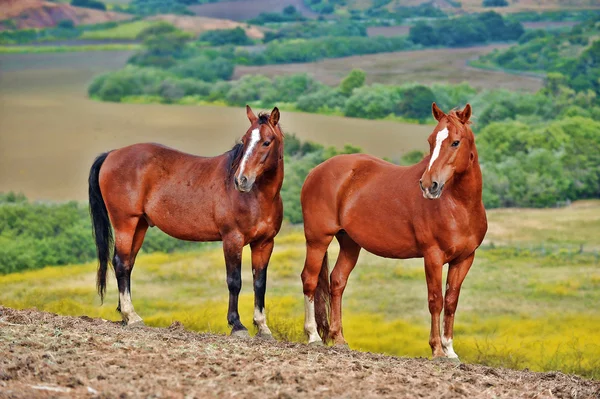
point(310, 323)
point(254, 139)
point(441, 136)
point(261, 321)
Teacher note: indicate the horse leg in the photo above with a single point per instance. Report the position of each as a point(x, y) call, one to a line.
point(457, 271)
point(261, 253)
point(433, 275)
point(232, 248)
point(349, 251)
point(128, 241)
point(316, 250)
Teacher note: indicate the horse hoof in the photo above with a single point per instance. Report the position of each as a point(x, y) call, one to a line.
point(316, 343)
point(266, 337)
point(136, 324)
point(241, 334)
point(344, 346)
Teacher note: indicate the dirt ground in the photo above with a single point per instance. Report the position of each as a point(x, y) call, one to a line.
point(45, 355)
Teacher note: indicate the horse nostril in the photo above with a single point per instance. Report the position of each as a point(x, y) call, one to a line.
point(421, 185)
point(235, 180)
point(243, 180)
point(434, 186)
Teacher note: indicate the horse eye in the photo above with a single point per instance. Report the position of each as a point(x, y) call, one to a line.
point(266, 143)
point(455, 143)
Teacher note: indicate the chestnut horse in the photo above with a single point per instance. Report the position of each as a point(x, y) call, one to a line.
point(395, 212)
point(233, 197)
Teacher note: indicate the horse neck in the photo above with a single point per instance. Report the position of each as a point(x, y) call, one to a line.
point(467, 187)
point(270, 183)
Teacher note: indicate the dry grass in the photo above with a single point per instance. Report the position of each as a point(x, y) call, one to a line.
point(424, 66)
point(197, 25)
point(476, 5)
point(240, 10)
point(388, 31)
point(577, 225)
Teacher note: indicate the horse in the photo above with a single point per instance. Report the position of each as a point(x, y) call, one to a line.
point(233, 198)
point(395, 212)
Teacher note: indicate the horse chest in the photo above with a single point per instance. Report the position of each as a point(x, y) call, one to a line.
point(460, 234)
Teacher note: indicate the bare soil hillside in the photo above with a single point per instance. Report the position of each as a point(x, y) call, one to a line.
point(41, 14)
point(45, 355)
point(197, 25)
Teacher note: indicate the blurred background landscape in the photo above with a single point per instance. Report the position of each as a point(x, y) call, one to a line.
point(81, 77)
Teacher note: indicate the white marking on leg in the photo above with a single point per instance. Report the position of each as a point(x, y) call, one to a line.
point(254, 139)
point(310, 323)
point(127, 312)
point(448, 349)
point(261, 322)
point(439, 139)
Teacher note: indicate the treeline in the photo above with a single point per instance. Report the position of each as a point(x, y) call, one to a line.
point(466, 30)
point(34, 235)
point(65, 29)
point(298, 91)
point(546, 51)
point(312, 29)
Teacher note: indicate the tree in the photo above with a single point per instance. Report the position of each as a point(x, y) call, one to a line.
point(95, 4)
point(416, 102)
point(495, 3)
point(289, 10)
point(219, 37)
point(355, 79)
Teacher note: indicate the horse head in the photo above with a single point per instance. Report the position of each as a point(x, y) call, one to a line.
point(262, 149)
point(452, 150)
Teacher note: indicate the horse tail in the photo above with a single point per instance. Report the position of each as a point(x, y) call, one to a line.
point(101, 227)
point(322, 301)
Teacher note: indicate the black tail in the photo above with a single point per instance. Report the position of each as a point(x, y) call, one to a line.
point(100, 224)
point(322, 301)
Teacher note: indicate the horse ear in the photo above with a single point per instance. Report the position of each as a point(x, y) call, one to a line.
point(437, 113)
point(251, 117)
point(274, 117)
point(465, 114)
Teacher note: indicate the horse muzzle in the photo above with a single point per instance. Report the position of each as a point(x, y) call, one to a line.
point(432, 192)
point(243, 184)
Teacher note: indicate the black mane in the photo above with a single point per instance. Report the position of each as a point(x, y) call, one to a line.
point(263, 118)
point(235, 155)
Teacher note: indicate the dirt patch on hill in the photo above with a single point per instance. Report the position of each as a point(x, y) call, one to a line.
point(48, 355)
point(42, 14)
point(197, 25)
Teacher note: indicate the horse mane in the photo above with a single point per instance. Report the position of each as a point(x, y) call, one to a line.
point(235, 156)
point(453, 116)
point(263, 118)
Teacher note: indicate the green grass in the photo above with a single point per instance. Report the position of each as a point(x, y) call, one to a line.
point(66, 49)
point(519, 307)
point(128, 30)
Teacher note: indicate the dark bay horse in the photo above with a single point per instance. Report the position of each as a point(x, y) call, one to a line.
point(233, 197)
point(395, 212)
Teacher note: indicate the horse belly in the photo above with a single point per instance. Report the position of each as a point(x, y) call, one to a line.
point(188, 218)
point(383, 236)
